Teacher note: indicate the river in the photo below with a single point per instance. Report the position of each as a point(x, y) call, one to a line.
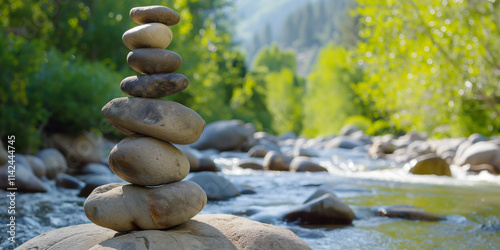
point(470, 204)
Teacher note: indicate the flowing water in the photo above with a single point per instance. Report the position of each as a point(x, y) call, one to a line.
point(470, 204)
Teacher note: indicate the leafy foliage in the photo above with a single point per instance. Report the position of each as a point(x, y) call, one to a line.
point(432, 63)
point(329, 99)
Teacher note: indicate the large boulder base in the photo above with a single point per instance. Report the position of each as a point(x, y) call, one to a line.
point(209, 231)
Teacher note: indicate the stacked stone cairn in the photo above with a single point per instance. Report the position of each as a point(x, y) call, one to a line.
point(158, 198)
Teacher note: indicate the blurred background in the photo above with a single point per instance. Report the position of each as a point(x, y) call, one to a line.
point(309, 66)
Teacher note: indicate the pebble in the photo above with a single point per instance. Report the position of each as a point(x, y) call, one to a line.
point(150, 35)
point(161, 119)
point(148, 161)
point(154, 61)
point(131, 207)
point(154, 14)
point(154, 86)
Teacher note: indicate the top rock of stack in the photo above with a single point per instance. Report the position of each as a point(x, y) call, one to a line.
point(154, 14)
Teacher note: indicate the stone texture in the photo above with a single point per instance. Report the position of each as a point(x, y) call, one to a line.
point(154, 86)
point(215, 186)
point(83, 236)
point(131, 207)
point(154, 61)
point(305, 164)
point(68, 181)
point(430, 164)
point(54, 161)
point(154, 14)
point(259, 151)
point(161, 119)
point(147, 161)
point(406, 212)
point(150, 35)
point(26, 181)
point(37, 165)
point(3, 154)
point(274, 160)
point(94, 182)
point(482, 152)
point(324, 210)
point(224, 135)
point(78, 149)
point(208, 231)
point(251, 165)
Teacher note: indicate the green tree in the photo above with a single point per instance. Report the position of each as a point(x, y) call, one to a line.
point(329, 97)
point(432, 64)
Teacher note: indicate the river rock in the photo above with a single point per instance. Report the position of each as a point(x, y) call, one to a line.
point(25, 180)
point(147, 161)
point(483, 167)
point(322, 190)
point(482, 152)
point(348, 130)
point(305, 164)
point(251, 165)
point(161, 119)
point(54, 162)
point(94, 169)
point(94, 182)
point(472, 139)
point(191, 155)
point(37, 165)
point(207, 231)
point(275, 160)
point(154, 14)
point(131, 207)
point(82, 236)
point(4, 157)
point(79, 149)
point(223, 135)
point(344, 142)
point(154, 61)
point(68, 181)
point(429, 164)
point(215, 186)
point(207, 164)
point(324, 210)
point(150, 35)
point(259, 151)
point(154, 86)
point(406, 212)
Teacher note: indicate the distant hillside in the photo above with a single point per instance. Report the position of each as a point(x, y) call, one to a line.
point(304, 26)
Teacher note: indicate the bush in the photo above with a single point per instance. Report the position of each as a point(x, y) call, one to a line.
point(45, 90)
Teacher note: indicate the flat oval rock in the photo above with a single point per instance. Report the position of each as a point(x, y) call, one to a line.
point(154, 14)
point(154, 86)
point(150, 61)
point(150, 35)
point(131, 207)
point(165, 120)
point(147, 161)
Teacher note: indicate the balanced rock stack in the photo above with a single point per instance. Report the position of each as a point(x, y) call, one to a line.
point(157, 197)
